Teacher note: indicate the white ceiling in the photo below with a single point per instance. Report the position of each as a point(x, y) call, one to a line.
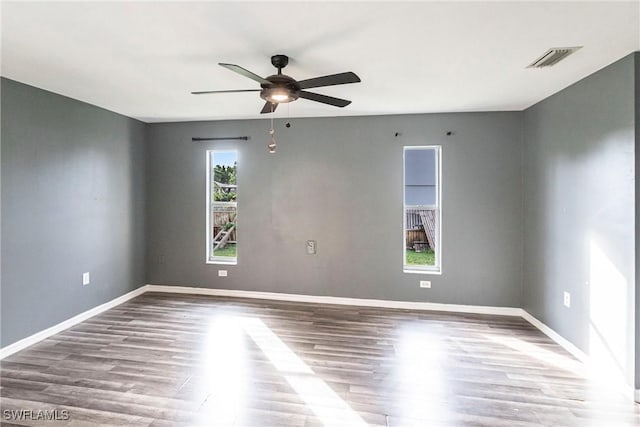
point(142, 59)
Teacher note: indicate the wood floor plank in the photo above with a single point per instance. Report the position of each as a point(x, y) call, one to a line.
point(185, 360)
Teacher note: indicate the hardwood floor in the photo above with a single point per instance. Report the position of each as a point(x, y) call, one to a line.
point(181, 360)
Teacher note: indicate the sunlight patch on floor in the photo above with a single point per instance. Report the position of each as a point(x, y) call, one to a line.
point(319, 397)
point(421, 385)
point(546, 356)
point(226, 370)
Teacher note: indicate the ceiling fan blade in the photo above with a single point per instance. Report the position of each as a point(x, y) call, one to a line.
point(205, 92)
point(268, 108)
point(242, 71)
point(324, 99)
point(333, 79)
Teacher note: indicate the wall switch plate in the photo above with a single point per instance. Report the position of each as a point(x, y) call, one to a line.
point(222, 273)
point(311, 247)
point(86, 279)
point(425, 283)
point(567, 299)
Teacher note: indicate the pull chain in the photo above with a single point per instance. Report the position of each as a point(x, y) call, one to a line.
point(272, 132)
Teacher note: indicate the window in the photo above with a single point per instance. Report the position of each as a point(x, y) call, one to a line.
point(422, 236)
point(222, 207)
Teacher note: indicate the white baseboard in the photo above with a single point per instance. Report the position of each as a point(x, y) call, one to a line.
point(564, 343)
point(361, 302)
point(637, 395)
point(39, 336)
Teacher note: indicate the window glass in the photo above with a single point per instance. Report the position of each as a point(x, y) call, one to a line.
point(422, 208)
point(222, 194)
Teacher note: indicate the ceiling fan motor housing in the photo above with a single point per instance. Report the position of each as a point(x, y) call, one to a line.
point(282, 89)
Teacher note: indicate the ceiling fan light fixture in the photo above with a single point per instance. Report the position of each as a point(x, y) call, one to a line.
point(276, 97)
point(279, 94)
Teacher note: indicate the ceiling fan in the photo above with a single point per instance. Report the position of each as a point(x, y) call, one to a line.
point(280, 88)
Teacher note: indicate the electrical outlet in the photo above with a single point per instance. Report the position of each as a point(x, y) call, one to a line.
point(567, 299)
point(86, 279)
point(222, 273)
point(425, 284)
point(311, 247)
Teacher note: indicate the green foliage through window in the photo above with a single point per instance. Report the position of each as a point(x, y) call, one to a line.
point(224, 188)
point(225, 174)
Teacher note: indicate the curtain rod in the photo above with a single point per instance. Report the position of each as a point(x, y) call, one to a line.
point(221, 138)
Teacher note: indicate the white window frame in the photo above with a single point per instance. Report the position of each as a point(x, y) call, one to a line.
point(417, 269)
point(209, 257)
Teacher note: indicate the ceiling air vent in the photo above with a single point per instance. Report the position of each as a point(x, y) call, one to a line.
point(553, 56)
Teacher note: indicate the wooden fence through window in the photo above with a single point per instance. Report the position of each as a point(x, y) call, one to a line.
point(224, 213)
point(420, 227)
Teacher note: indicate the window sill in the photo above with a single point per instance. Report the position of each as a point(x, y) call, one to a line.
point(421, 271)
point(222, 262)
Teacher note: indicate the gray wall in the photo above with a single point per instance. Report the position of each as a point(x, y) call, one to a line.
point(73, 198)
point(339, 181)
point(579, 198)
